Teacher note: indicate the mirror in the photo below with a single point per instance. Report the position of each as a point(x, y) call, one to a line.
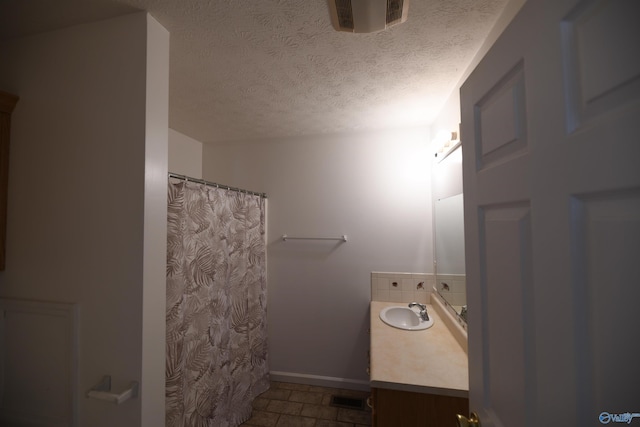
point(448, 208)
point(449, 235)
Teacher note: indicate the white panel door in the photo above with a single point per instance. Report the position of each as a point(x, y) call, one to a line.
point(551, 153)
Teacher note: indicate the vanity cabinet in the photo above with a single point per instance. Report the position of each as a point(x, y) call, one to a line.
point(418, 378)
point(393, 408)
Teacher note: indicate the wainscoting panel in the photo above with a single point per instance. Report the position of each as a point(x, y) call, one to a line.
point(38, 363)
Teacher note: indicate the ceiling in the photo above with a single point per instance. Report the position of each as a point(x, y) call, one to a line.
point(249, 69)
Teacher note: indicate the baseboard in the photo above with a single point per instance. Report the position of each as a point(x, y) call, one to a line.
point(318, 380)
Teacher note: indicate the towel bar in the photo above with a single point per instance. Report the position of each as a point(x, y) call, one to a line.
point(341, 238)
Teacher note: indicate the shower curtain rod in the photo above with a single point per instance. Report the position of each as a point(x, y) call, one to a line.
point(214, 184)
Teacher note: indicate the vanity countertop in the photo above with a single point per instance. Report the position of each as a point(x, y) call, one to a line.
point(427, 361)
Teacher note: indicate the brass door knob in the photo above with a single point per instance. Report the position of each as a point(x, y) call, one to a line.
point(473, 421)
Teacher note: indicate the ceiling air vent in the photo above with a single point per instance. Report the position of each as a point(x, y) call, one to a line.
point(395, 11)
point(367, 16)
point(344, 14)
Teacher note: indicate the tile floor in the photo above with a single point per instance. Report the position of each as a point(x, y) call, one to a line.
point(299, 405)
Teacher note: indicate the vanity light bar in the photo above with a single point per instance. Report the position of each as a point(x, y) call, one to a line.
point(447, 146)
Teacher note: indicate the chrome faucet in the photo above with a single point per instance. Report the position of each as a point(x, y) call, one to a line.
point(463, 312)
point(423, 310)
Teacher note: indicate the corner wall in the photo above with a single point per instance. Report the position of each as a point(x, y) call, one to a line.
point(375, 188)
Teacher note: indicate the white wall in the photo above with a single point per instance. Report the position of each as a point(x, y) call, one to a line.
point(375, 188)
point(185, 155)
point(154, 298)
point(86, 202)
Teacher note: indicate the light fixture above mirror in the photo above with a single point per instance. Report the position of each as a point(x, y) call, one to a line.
point(445, 142)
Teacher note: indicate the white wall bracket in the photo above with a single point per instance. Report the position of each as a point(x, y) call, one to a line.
point(102, 391)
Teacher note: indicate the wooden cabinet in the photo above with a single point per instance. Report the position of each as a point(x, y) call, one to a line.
point(394, 408)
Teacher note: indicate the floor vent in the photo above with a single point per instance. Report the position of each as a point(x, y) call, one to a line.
point(347, 402)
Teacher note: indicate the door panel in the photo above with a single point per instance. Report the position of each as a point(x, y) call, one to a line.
point(551, 150)
point(500, 121)
point(505, 240)
point(599, 77)
point(603, 277)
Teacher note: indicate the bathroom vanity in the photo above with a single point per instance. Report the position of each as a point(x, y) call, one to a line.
point(418, 378)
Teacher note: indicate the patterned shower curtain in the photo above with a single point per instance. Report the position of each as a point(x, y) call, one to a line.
point(216, 305)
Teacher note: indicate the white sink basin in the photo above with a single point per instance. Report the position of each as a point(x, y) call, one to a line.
point(402, 317)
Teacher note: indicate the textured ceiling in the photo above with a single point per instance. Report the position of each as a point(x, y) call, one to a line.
point(248, 69)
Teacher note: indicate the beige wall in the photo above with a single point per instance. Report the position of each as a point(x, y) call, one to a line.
point(87, 198)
